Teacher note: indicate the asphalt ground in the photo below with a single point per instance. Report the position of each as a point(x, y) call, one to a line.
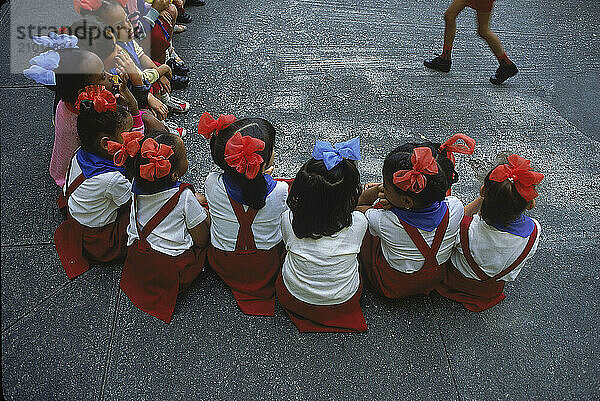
point(330, 70)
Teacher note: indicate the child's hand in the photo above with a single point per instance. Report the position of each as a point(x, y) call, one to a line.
point(127, 97)
point(160, 5)
point(369, 185)
point(201, 198)
point(125, 65)
point(382, 199)
point(158, 107)
point(164, 84)
point(269, 171)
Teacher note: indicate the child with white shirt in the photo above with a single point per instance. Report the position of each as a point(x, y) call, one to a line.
point(496, 238)
point(245, 204)
point(404, 252)
point(319, 286)
point(96, 190)
point(168, 230)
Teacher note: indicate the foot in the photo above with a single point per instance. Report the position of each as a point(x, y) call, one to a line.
point(179, 82)
point(174, 104)
point(184, 18)
point(503, 73)
point(439, 64)
point(195, 3)
point(174, 129)
point(179, 28)
point(178, 68)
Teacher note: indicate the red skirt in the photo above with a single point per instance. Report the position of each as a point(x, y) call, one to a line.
point(345, 318)
point(153, 279)
point(390, 282)
point(159, 43)
point(250, 275)
point(78, 245)
point(475, 295)
point(484, 6)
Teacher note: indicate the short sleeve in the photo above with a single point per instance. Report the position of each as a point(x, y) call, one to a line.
point(118, 189)
point(194, 213)
point(361, 222)
point(138, 49)
point(373, 217)
point(286, 226)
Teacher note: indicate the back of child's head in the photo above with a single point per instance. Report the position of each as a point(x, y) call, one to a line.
point(508, 190)
point(77, 69)
point(322, 199)
point(412, 170)
point(99, 116)
point(243, 150)
point(153, 166)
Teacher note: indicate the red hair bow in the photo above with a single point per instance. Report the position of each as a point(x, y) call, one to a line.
point(414, 180)
point(103, 99)
point(92, 5)
point(207, 124)
point(158, 156)
point(129, 147)
point(451, 147)
point(518, 171)
point(239, 153)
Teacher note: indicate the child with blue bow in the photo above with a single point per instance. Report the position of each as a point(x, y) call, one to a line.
point(319, 285)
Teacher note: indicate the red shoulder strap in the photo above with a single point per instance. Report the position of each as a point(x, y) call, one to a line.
point(522, 256)
point(63, 199)
point(245, 238)
point(161, 214)
point(429, 253)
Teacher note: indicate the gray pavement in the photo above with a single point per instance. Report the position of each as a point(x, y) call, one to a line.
point(331, 69)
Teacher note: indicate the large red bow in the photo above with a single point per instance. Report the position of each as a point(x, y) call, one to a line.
point(207, 124)
point(92, 5)
point(129, 147)
point(518, 171)
point(239, 153)
point(414, 180)
point(103, 99)
point(158, 156)
point(452, 147)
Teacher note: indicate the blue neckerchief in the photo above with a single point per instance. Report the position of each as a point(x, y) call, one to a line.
point(128, 46)
point(522, 226)
point(235, 192)
point(136, 190)
point(426, 219)
point(92, 165)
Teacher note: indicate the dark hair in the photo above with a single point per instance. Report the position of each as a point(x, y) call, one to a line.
point(92, 125)
point(69, 79)
point(502, 203)
point(322, 200)
point(400, 159)
point(440, 156)
point(253, 191)
point(86, 28)
point(133, 164)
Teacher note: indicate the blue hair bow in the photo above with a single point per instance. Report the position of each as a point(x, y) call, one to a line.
point(333, 155)
point(55, 41)
point(42, 68)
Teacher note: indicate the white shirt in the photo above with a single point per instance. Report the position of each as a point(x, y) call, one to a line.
point(224, 225)
point(323, 271)
point(96, 201)
point(171, 236)
point(493, 250)
point(399, 249)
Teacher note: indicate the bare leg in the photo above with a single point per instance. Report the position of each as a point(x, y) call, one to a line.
point(450, 21)
point(483, 30)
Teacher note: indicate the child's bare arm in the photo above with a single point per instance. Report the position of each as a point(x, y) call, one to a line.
point(473, 207)
point(369, 196)
point(201, 233)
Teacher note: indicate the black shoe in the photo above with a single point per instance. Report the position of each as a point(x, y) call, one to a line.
point(503, 73)
point(184, 18)
point(438, 63)
point(179, 82)
point(195, 3)
point(178, 68)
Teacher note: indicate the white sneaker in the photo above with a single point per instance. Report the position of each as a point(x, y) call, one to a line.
point(174, 129)
point(175, 104)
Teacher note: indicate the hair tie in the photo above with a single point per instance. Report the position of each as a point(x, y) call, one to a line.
point(518, 171)
point(452, 147)
point(207, 124)
point(55, 41)
point(240, 154)
point(129, 147)
point(159, 165)
point(102, 98)
point(42, 68)
point(332, 155)
point(414, 180)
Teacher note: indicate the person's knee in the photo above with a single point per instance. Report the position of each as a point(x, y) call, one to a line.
point(173, 11)
point(484, 33)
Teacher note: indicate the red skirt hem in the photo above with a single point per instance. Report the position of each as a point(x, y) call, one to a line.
point(343, 318)
point(484, 6)
point(390, 282)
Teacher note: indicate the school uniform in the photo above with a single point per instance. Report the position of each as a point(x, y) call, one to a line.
point(319, 286)
point(162, 259)
point(486, 258)
point(246, 248)
point(95, 230)
point(404, 252)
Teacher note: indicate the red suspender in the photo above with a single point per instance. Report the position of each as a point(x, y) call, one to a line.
point(160, 215)
point(62, 200)
point(429, 253)
point(464, 243)
point(245, 238)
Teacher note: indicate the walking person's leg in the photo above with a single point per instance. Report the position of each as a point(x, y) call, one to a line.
point(444, 61)
point(507, 68)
